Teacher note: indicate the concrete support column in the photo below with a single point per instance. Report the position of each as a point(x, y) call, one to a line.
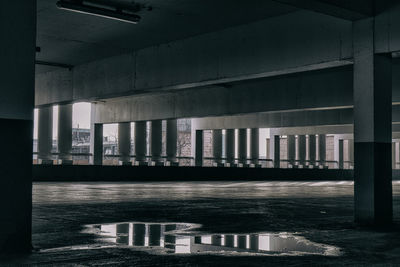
point(156, 141)
point(124, 143)
point(254, 242)
point(393, 155)
point(199, 148)
point(302, 149)
point(241, 241)
point(291, 149)
point(97, 144)
point(242, 145)
point(350, 151)
point(322, 149)
point(277, 151)
point(216, 240)
point(140, 142)
point(372, 128)
point(229, 241)
point(312, 148)
point(17, 82)
point(172, 137)
point(341, 154)
point(45, 134)
point(230, 146)
point(397, 158)
point(255, 145)
point(65, 134)
point(217, 145)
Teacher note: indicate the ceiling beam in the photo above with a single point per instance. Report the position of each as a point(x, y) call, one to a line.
point(349, 10)
point(54, 64)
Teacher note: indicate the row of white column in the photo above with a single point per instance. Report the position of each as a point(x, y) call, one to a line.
point(140, 136)
point(45, 138)
point(45, 134)
point(45, 131)
point(302, 149)
point(230, 146)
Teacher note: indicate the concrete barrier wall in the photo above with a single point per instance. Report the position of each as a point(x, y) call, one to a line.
point(148, 174)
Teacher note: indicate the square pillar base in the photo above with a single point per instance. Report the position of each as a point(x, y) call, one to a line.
point(228, 164)
point(218, 164)
point(255, 165)
point(125, 163)
point(45, 161)
point(171, 163)
point(65, 162)
point(141, 163)
point(156, 163)
point(243, 165)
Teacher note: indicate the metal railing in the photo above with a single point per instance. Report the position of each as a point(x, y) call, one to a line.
point(86, 159)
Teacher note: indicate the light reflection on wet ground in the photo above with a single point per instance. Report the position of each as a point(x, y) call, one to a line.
point(116, 192)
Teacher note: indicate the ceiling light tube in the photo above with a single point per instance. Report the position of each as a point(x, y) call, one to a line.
point(98, 11)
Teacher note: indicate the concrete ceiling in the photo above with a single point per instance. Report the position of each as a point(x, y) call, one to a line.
point(72, 38)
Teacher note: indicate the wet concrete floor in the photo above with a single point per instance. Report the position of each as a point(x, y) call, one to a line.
point(316, 213)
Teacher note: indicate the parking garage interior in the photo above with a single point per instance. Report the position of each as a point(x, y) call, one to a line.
point(200, 133)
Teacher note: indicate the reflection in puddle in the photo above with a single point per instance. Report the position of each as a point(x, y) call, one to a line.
point(178, 238)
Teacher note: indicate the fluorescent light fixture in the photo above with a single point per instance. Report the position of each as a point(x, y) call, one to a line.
point(112, 13)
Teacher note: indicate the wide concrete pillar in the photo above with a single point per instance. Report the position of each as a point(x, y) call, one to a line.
point(312, 148)
point(242, 145)
point(291, 149)
point(65, 134)
point(17, 76)
point(372, 128)
point(124, 143)
point(277, 151)
point(230, 146)
point(199, 148)
point(45, 134)
point(97, 144)
point(217, 145)
point(140, 142)
point(302, 149)
point(156, 140)
point(341, 154)
point(322, 148)
point(172, 138)
point(255, 145)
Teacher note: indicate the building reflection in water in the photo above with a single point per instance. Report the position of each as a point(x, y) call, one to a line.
point(171, 238)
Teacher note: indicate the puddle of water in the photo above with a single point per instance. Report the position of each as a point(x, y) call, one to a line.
point(180, 238)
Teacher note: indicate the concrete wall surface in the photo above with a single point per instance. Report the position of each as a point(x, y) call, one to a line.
point(297, 41)
point(264, 48)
